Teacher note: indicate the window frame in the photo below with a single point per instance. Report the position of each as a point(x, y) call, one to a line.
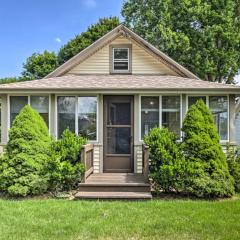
point(207, 103)
point(29, 104)
point(160, 111)
point(76, 113)
point(111, 58)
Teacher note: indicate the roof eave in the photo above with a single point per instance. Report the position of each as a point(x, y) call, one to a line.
point(134, 91)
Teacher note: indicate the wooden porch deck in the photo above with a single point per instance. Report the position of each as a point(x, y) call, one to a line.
point(114, 186)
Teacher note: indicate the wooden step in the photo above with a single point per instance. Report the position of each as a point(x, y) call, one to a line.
point(114, 195)
point(114, 187)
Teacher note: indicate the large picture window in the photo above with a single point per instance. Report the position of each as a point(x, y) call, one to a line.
point(79, 114)
point(149, 114)
point(171, 113)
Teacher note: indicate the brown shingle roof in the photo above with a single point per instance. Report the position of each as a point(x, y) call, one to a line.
point(117, 82)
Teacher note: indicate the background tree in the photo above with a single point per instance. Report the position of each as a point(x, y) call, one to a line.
point(83, 40)
point(39, 65)
point(204, 36)
point(207, 170)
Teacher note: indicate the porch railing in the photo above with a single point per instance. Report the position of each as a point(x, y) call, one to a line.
point(145, 162)
point(87, 160)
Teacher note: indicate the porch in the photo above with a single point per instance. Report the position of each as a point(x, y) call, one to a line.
point(131, 186)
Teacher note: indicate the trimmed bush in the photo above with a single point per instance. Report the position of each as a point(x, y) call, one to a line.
point(24, 163)
point(67, 169)
point(207, 170)
point(233, 160)
point(167, 163)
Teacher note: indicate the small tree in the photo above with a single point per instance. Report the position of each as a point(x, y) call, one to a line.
point(207, 170)
point(167, 163)
point(23, 165)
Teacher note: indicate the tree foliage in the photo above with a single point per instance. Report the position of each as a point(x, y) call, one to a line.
point(207, 170)
point(39, 65)
point(167, 162)
point(83, 40)
point(202, 35)
point(23, 167)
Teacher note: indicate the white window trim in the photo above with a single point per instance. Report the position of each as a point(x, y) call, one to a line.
point(120, 60)
point(207, 103)
point(160, 111)
point(28, 96)
point(76, 113)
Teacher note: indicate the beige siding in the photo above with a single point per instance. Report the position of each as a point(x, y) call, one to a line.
point(142, 61)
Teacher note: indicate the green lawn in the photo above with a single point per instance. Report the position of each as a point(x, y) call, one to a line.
point(157, 219)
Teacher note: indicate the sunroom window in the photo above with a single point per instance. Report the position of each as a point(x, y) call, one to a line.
point(66, 114)
point(171, 113)
point(169, 110)
point(149, 114)
point(120, 59)
point(219, 109)
point(87, 116)
point(16, 105)
point(193, 99)
point(79, 115)
point(39, 103)
point(218, 105)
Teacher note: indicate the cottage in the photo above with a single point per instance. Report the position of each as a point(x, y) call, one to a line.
point(114, 92)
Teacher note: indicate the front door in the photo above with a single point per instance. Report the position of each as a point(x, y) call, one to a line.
point(118, 134)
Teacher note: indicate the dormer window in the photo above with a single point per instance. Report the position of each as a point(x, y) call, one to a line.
point(120, 59)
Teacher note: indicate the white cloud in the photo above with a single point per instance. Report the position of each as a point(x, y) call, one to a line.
point(58, 40)
point(89, 3)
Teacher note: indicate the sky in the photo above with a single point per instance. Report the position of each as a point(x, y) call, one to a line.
point(28, 26)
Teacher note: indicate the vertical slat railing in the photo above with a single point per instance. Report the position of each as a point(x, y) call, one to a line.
point(145, 163)
point(87, 160)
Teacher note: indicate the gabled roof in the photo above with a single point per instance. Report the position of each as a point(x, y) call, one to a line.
point(117, 32)
point(139, 83)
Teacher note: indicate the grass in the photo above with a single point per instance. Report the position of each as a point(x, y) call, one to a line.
point(157, 219)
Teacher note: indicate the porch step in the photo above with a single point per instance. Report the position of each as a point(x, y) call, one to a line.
point(114, 195)
point(114, 186)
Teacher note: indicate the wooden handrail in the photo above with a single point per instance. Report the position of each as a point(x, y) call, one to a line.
point(87, 160)
point(145, 163)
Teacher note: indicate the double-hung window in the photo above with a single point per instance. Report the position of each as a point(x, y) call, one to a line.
point(120, 59)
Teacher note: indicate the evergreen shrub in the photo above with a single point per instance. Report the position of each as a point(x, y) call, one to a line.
point(207, 172)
